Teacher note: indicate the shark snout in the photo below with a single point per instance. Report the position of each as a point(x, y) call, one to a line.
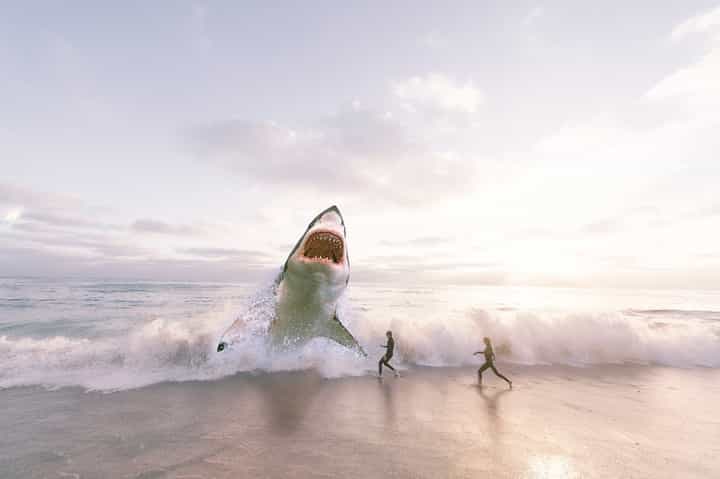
point(221, 346)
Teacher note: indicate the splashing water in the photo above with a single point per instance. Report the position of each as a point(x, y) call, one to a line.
point(111, 336)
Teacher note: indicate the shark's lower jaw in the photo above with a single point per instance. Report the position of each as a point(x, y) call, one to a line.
point(323, 247)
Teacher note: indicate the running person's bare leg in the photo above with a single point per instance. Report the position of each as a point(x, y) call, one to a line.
point(497, 373)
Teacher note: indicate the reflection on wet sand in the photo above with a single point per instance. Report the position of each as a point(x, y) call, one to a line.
point(550, 466)
point(388, 395)
point(606, 423)
point(492, 399)
point(492, 408)
point(287, 397)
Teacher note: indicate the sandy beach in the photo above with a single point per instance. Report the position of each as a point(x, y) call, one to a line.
point(557, 422)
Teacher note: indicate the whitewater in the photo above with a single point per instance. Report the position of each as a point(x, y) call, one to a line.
point(110, 335)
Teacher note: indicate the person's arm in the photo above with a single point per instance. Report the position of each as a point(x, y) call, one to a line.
point(383, 346)
point(479, 352)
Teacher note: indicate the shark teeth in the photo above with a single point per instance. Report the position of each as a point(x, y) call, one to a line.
point(325, 247)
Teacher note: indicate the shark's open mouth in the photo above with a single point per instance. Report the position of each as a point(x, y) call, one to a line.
point(324, 246)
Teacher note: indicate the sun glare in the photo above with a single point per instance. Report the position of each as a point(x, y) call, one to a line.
point(13, 215)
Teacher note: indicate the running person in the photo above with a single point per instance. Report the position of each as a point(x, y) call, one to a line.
point(390, 347)
point(489, 362)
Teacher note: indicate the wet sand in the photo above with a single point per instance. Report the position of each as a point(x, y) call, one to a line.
point(558, 422)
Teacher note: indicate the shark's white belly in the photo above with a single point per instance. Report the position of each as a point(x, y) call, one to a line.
point(304, 309)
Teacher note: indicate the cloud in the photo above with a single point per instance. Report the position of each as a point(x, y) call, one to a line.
point(533, 15)
point(70, 242)
point(659, 150)
point(421, 263)
point(355, 152)
point(69, 232)
point(442, 274)
point(151, 226)
point(24, 261)
point(438, 93)
point(706, 212)
point(581, 139)
point(39, 218)
point(698, 84)
point(60, 220)
point(227, 253)
point(12, 195)
point(24, 206)
point(701, 23)
point(611, 225)
point(424, 241)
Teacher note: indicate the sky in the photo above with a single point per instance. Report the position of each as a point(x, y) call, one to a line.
point(526, 143)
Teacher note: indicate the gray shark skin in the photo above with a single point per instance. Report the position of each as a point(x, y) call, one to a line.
point(308, 288)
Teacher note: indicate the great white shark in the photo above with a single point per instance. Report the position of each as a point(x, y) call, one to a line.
point(308, 288)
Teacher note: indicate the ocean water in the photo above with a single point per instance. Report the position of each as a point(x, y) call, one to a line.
point(110, 335)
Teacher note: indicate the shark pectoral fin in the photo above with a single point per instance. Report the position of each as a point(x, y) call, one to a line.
point(338, 333)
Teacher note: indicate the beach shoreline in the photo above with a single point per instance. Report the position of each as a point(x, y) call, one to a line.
point(558, 421)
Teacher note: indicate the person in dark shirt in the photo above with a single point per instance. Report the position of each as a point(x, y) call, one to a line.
point(489, 362)
point(389, 347)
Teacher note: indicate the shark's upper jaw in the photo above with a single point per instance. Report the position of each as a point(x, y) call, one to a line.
point(323, 246)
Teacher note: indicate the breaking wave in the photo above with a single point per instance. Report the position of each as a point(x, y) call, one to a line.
point(161, 350)
point(566, 338)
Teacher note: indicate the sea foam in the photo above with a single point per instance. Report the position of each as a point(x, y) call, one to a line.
point(183, 349)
